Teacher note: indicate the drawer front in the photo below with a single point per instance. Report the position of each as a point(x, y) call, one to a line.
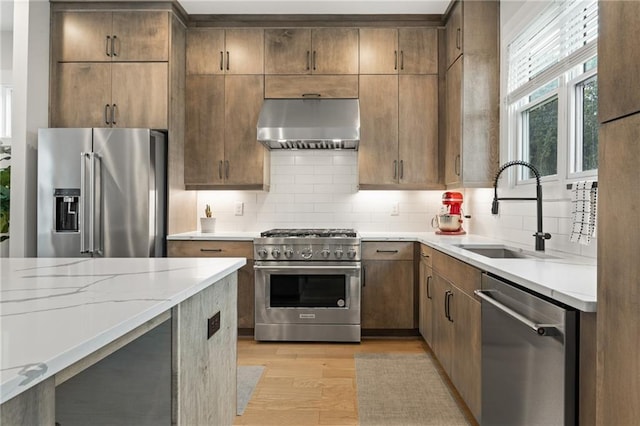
point(210, 249)
point(426, 254)
point(462, 275)
point(324, 86)
point(387, 250)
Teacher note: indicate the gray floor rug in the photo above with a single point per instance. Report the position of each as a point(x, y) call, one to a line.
point(397, 389)
point(248, 378)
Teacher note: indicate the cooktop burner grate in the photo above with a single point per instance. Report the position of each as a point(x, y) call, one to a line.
point(310, 233)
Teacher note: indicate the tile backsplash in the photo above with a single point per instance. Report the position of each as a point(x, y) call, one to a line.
point(319, 189)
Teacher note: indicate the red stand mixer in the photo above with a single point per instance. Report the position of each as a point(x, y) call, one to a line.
point(449, 221)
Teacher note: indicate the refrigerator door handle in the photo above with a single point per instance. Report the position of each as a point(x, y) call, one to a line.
point(93, 218)
point(83, 202)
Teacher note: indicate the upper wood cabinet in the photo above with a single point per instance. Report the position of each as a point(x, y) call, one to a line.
point(110, 36)
point(221, 151)
point(225, 51)
point(453, 33)
point(398, 51)
point(472, 99)
point(618, 89)
point(126, 94)
point(399, 132)
point(311, 51)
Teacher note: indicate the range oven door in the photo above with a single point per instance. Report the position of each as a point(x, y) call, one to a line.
point(307, 293)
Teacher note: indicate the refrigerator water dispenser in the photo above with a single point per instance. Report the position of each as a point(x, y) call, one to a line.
point(66, 209)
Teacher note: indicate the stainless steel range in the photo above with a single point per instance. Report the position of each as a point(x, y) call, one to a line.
point(308, 285)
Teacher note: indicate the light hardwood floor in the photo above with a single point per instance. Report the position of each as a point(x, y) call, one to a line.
point(311, 383)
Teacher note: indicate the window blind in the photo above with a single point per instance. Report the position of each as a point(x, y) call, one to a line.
point(562, 36)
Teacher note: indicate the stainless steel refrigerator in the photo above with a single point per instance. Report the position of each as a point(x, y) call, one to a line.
point(101, 192)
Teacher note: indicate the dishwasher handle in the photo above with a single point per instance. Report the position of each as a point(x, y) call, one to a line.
point(540, 329)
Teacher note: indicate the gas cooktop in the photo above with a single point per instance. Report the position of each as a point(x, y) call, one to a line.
point(310, 233)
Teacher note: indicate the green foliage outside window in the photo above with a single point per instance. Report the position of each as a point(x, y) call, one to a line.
point(542, 137)
point(5, 191)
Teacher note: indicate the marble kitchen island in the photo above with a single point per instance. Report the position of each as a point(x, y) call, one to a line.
point(58, 317)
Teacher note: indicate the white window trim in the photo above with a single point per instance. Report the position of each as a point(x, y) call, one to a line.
point(555, 186)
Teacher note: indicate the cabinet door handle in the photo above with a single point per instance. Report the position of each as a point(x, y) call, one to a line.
point(214, 250)
point(113, 46)
point(311, 95)
point(458, 41)
point(402, 60)
point(449, 297)
point(386, 251)
point(314, 60)
point(107, 113)
point(401, 169)
point(107, 45)
point(395, 169)
point(113, 114)
point(424, 255)
point(364, 274)
point(220, 169)
point(428, 287)
point(227, 60)
point(457, 165)
point(395, 60)
point(308, 60)
point(446, 305)
point(226, 168)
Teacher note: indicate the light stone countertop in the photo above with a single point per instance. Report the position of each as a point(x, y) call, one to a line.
point(56, 311)
point(566, 278)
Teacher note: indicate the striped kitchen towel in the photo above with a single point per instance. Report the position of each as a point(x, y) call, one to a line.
point(584, 197)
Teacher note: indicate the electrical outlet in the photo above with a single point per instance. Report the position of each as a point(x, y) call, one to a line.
point(213, 325)
point(395, 209)
point(239, 208)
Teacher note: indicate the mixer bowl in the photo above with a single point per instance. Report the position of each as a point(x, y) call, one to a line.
point(447, 222)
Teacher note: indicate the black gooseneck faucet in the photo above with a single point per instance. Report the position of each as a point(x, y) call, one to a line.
point(539, 235)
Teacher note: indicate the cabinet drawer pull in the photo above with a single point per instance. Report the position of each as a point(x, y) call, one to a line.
point(386, 251)
point(402, 60)
point(424, 255)
point(107, 45)
point(395, 60)
point(311, 95)
point(221, 60)
point(428, 287)
point(215, 250)
point(227, 60)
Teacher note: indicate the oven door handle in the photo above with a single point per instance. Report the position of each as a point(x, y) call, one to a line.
point(321, 267)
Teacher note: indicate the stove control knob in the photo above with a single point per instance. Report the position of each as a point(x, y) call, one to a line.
point(262, 252)
point(275, 253)
point(288, 252)
point(306, 253)
point(339, 253)
point(351, 253)
point(325, 253)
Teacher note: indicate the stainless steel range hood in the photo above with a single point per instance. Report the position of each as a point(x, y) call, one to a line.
point(309, 124)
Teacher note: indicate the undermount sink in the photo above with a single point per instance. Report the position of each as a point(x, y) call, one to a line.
point(499, 251)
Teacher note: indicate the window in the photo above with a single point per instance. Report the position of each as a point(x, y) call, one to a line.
point(552, 91)
point(5, 111)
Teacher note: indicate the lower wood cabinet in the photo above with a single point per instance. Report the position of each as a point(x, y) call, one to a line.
point(425, 295)
point(456, 334)
point(388, 286)
point(246, 279)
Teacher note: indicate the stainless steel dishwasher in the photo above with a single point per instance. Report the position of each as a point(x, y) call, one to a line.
point(529, 359)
